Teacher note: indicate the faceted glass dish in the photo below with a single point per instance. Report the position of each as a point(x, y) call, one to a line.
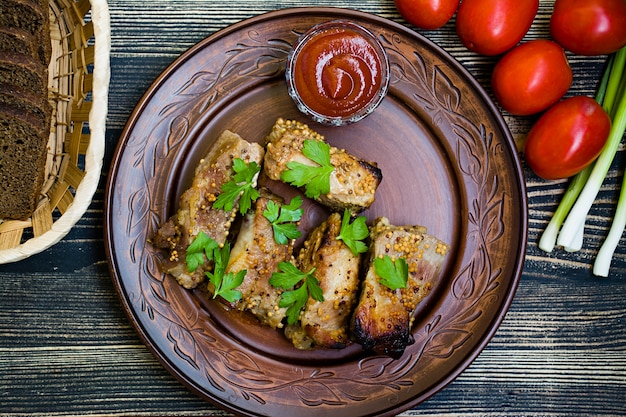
point(363, 109)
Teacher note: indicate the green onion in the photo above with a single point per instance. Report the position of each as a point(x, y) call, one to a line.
point(605, 254)
point(584, 188)
point(549, 236)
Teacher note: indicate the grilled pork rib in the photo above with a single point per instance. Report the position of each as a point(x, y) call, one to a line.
point(357, 307)
point(256, 251)
point(195, 212)
point(353, 182)
point(325, 323)
point(383, 317)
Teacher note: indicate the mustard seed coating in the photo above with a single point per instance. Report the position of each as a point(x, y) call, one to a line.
point(353, 182)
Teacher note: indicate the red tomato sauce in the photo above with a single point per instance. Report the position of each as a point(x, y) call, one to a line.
point(337, 72)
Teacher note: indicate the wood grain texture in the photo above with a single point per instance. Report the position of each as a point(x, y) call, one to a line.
point(66, 347)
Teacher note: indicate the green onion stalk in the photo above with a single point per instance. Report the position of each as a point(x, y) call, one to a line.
point(605, 254)
point(548, 238)
point(584, 187)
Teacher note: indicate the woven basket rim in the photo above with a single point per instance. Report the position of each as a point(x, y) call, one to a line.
point(94, 153)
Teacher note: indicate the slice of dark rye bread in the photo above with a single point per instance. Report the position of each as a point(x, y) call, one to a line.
point(26, 17)
point(23, 70)
point(27, 101)
point(22, 156)
point(30, 15)
point(25, 112)
point(18, 40)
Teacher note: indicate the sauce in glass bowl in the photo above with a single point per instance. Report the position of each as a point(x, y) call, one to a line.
point(337, 73)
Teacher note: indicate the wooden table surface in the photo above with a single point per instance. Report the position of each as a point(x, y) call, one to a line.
point(67, 347)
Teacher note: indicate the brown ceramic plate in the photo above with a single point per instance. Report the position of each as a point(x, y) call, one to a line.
point(448, 163)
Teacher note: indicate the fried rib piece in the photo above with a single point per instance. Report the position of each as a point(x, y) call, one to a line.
point(326, 323)
point(195, 212)
point(353, 182)
point(383, 318)
point(257, 252)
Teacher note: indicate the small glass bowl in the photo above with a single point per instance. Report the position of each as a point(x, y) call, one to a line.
point(324, 112)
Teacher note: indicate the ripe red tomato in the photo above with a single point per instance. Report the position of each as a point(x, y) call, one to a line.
point(567, 138)
point(531, 77)
point(492, 27)
point(589, 27)
point(427, 14)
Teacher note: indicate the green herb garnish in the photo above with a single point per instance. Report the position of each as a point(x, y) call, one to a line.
point(315, 179)
point(353, 233)
point(283, 219)
point(201, 247)
point(392, 274)
point(242, 185)
point(224, 284)
point(295, 299)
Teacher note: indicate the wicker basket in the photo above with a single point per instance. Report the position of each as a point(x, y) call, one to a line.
point(78, 88)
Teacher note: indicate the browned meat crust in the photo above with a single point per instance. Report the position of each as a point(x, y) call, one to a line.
point(383, 317)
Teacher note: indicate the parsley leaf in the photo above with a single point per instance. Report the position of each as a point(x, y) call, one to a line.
point(229, 283)
point(242, 185)
point(224, 284)
point(353, 233)
point(393, 275)
point(282, 219)
point(201, 246)
point(289, 276)
point(295, 299)
point(315, 179)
